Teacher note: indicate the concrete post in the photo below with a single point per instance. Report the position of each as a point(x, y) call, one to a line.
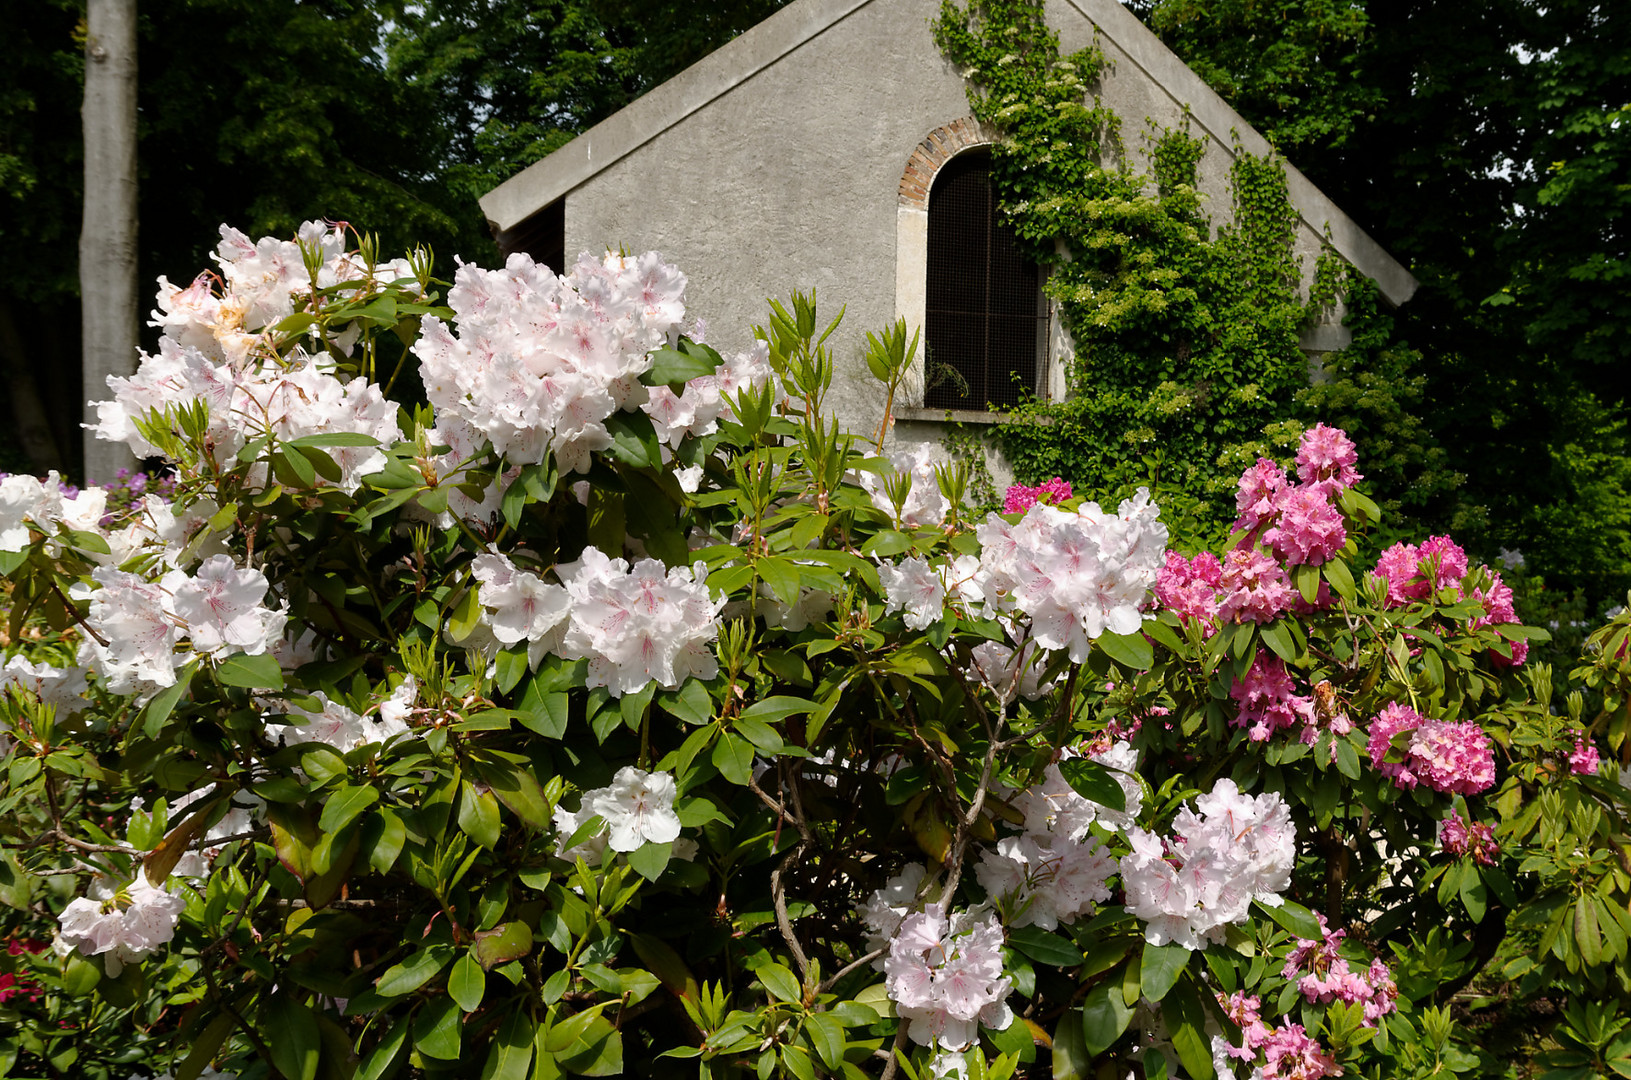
point(107, 240)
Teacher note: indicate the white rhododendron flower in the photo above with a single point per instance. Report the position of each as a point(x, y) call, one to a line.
point(539, 363)
point(1048, 880)
point(915, 588)
point(221, 606)
point(886, 907)
point(1075, 574)
point(61, 687)
point(122, 925)
point(637, 808)
point(1053, 807)
point(1235, 850)
point(336, 726)
point(945, 976)
point(925, 504)
point(129, 614)
point(639, 626)
point(520, 606)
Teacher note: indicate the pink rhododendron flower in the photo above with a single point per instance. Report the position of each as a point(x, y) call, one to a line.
point(1309, 530)
point(1257, 499)
point(1447, 756)
point(1289, 1054)
point(1019, 498)
point(1325, 460)
point(1254, 587)
point(1498, 609)
point(1583, 759)
point(1323, 975)
point(1458, 836)
point(1405, 568)
point(1190, 586)
point(1267, 698)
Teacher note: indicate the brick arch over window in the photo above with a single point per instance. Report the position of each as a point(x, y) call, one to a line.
point(938, 147)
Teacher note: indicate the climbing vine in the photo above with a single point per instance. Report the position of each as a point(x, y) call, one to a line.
point(1188, 363)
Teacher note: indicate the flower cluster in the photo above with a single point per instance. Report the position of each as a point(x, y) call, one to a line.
point(641, 625)
point(1288, 1053)
point(61, 688)
point(636, 808)
point(540, 363)
point(122, 924)
point(1046, 879)
point(945, 976)
point(1298, 521)
point(1584, 759)
point(1322, 975)
point(1268, 699)
point(696, 410)
point(218, 349)
point(1454, 757)
point(219, 610)
point(1075, 575)
point(1054, 809)
point(1237, 849)
point(634, 625)
point(1019, 498)
point(336, 725)
point(1459, 836)
point(49, 507)
point(1411, 574)
point(1190, 587)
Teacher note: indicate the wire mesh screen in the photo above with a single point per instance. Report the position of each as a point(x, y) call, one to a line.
point(986, 317)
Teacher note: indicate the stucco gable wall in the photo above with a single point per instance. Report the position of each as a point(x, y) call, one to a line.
point(788, 182)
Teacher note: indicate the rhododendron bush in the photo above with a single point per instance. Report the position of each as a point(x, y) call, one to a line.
point(609, 711)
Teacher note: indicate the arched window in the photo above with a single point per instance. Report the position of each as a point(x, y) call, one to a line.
point(985, 318)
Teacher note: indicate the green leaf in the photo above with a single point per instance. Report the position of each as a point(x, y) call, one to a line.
point(1105, 1015)
point(1277, 636)
point(827, 1036)
point(1071, 1061)
point(634, 440)
point(1094, 782)
point(887, 543)
point(414, 972)
point(511, 1055)
point(672, 368)
point(164, 702)
point(1129, 650)
point(1045, 947)
point(290, 1032)
point(478, 816)
point(1186, 1023)
point(383, 835)
point(1160, 968)
point(1295, 918)
point(1341, 579)
point(781, 982)
point(467, 982)
point(437, 1028)
point(378, 1061)
point(335, 438)
point(252, 672)
point(462, 623)
point(733, 757)
point(1308, 583)
point(503, 943)
point(650, 860)
point(344, 805)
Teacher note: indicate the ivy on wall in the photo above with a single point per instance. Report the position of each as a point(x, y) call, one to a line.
point(1188, 364)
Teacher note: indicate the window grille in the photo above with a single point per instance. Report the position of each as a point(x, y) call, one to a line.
point(986, 316)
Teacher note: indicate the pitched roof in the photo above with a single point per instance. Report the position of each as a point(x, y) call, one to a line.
point(738, 61)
